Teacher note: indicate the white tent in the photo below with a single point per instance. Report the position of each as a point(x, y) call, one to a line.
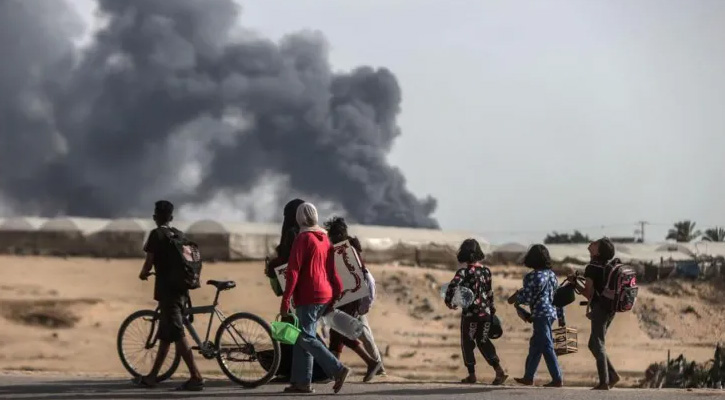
point(22, 224)
point(233, 241)
point(67, 236)
point(385, 250)
point(509, 253)
point(120, 238)
point(714, 249)
point(18, 235)
point(635, 252)
point(416, 236)
point(561, 252)
point(654, 253)
point(412, 246)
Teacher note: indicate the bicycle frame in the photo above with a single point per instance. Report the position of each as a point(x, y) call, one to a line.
point(212, 311)
point(200, 310)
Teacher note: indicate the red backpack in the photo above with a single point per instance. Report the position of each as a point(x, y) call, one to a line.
point(621, 286)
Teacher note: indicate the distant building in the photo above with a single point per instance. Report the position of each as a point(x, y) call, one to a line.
point(625, 239)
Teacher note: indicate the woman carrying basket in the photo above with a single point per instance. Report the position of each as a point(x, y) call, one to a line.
point(313, 284)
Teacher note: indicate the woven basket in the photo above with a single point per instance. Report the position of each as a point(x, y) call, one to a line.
point(565, 340)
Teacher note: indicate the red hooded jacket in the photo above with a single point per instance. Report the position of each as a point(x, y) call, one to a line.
point(311, 274)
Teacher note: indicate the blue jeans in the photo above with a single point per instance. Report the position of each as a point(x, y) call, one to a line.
point(542, 343)
point(308, 348)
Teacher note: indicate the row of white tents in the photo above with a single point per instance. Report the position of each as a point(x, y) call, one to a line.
point(119, 238)
point(218, 240)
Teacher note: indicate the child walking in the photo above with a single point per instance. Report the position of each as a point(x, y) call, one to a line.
point(365, 347)
point(538, 293)
point(476, 319)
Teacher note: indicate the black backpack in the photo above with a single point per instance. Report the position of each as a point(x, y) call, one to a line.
point(184, 258)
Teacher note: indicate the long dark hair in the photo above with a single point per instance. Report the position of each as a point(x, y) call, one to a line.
point(538, 257)
point(470, 252)
point(290, 227)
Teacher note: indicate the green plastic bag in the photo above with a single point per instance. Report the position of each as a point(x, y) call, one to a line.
point(284, 332)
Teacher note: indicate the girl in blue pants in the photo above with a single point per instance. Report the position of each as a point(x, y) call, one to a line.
point(538, 293)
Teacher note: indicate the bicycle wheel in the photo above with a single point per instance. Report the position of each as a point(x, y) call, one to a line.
point(136, 356)
point(247, 353)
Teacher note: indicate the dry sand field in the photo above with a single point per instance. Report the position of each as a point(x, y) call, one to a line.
point(63, 315)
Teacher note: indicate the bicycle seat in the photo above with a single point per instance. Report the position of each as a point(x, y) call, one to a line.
point(222, 285)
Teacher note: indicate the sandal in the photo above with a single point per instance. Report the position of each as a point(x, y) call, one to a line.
point(141, 382)
point(295, 389)
point(191, 385)
point(499, 380)
point(372, 372)
point(524, 381)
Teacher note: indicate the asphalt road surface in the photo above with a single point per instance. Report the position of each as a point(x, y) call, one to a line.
point(45, 387)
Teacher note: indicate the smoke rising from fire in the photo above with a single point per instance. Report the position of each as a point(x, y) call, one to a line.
point(167, 101)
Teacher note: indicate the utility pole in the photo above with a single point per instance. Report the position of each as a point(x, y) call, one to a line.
point(641, 228)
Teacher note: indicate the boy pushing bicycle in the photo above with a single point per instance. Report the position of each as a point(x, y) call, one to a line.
point(172, 299)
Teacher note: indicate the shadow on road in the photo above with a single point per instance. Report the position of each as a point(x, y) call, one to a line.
point(122, 389)
point(409, 391)
point(114, 389)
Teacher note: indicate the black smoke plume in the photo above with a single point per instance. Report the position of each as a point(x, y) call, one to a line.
point(172, 100)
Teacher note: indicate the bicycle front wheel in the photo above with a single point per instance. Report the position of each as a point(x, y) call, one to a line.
point(247, 353)
point(137, 346)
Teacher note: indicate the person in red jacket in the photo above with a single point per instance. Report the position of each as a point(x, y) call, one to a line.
point(313, 284)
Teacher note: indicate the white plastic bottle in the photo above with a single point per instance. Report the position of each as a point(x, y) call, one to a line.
point(344, 324)
point(462, 297)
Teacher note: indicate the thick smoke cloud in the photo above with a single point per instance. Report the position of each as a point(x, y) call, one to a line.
point(170, 101)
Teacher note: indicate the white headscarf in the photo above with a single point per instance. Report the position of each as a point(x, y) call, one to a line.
point(307, 218)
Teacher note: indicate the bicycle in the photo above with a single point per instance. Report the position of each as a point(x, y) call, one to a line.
point(139, 331)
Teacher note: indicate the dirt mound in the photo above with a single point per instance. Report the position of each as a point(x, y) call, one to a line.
point(414, 292)
point(686, 310)
point(49, 314)
point(712, 291)
point(650, 318)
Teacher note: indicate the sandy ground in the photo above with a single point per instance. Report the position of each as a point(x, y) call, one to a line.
point(63, 315)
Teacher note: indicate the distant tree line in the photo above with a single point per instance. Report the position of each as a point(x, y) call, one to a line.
point(684, 231)
point(562, 238)
point(681, 231)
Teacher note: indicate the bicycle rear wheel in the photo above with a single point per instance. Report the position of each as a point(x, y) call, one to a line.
point(137, 346)
point(247, 353)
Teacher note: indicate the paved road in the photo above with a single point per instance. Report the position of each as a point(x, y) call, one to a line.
point(39, 387)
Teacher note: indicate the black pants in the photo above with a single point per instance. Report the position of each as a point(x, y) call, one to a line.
point(474, 333)
point(601, 319)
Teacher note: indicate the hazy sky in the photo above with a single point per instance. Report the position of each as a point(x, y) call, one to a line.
point(526, 117)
